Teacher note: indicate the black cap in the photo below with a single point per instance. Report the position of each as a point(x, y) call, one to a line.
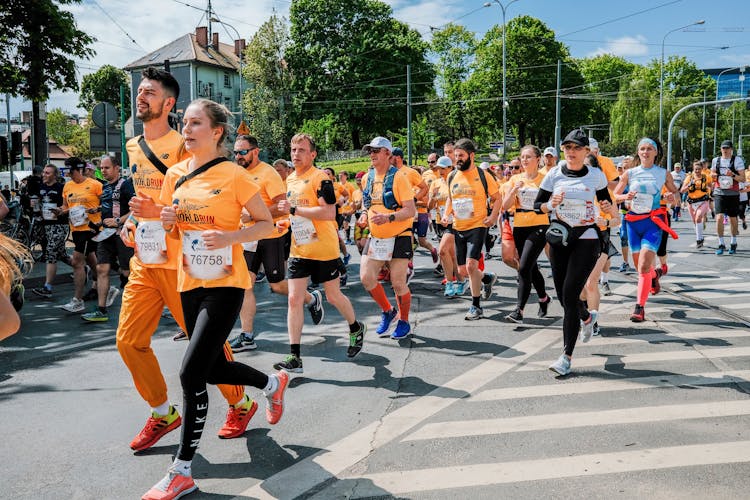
point(576, 136)
point(727, 144)
point(398, 152)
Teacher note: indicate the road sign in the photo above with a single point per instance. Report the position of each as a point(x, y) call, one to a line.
point(105, 115)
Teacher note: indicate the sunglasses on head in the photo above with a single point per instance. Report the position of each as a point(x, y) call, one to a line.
point(243, 152)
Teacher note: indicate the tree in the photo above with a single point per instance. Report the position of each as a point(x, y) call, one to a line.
point(104, 86)
point(329, 133)
point(349, 59)
point(59, 127)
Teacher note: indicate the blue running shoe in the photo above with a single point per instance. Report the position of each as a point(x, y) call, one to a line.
point(402, 330)
point(347, 258)
point(720, 250)
point(386, 319)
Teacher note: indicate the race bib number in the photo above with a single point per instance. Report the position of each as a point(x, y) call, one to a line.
point(47, 211)
point(202, 263)
point(151, 243)
point(527, 197)
point(303, 230)
point(463, 208)
point(78, 215)
point(575, 212)
point(250, 246)
point(34, 202)
point(642, 203)
point(104, 234)
point(725, 182)
point(381, 248)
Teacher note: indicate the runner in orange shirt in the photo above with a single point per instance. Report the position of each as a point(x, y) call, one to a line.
point(202, 198)
point(311, 203)
point(342, 197)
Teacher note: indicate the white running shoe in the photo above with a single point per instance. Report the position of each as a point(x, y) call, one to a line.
point(112, 294)
point(74, 306)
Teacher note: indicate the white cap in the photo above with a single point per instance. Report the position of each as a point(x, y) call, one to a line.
point(550, 151)
point(445, 162)
point(379, 142)
point(593, 143)
point(484, 165)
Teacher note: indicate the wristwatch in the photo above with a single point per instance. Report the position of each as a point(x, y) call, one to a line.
point(392, 217)
point(292, 210)
point(117, 221)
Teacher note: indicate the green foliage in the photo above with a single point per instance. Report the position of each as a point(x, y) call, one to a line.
point(38, 44)
point(80, 141)
point(104, 86)
point(59, 127)
point(329, 133)
point(603, 76)
point(422, 137)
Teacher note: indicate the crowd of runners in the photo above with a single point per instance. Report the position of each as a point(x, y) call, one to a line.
point(192, 231)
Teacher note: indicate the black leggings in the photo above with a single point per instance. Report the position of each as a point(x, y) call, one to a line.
point(662, 251)
point(529, 242)
point(210, 314)
point(571, 267)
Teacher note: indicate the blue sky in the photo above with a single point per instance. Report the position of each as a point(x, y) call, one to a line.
point(633, 29)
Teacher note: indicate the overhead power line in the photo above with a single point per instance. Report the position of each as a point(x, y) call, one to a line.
point(118, 25)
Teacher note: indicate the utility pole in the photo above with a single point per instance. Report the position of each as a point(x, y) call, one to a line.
point(408, 113)
point(703, 133)
point(557, 108)
point(123, 151)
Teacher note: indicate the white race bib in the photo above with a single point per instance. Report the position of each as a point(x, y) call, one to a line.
point(303, 230)
point(47, 211)
point(104, 234)
point(463, 208)
point(151, 243)
point(642, 203)
point(202, 263)
point(381, 248)
point(725, 182)
point(250, 246)
point(78, 215)
point(34, 202)
point(574, 212)
point(527, 197)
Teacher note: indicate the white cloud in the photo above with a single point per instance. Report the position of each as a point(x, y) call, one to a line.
point(425, 14)
point(625, 46)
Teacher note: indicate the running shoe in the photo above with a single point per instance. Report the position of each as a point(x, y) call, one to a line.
point(561, 366)
point(43, 292)
point(180, 335)
point(655, 286)
point(450, 289)
point(260, 277)
point(744, 224)
point(474, 313)
point(438, 271)
point(720, 250)
point(112, 294)
point(606, 290)
point(238, 418)
point(74, 306)
point(243, 342)
point(434, 254)
point(543, 307)
point(732, 249)
point(95, 316)
point(356, 341)
point(156, 427)
point(597, 331)
point(460, 287)
point(316, 307)
point(291, 363)
point(623, 267)
point(402, 330)
point(343, 277)
point(487, 287)
point(386, 320)
point(174, 485)
point(639, 314)
point(347, 258)
point(587, 329)
point(517, 316)
point(275, 400)
point(699, 244)
point(664, 269)
point(92, 294)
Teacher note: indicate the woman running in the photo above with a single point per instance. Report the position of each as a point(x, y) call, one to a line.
point(698, 189)
point(529, 230)
point(569, 192)
point(203, 198)
point(646, 218)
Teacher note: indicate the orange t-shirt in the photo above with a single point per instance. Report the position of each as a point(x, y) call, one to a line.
point(402, 190)
point(148, 180)
point(348, 207)
point(271, 185)
point(524, 201)
point(311, 239)
point(468, 203)
point(415, 179)
point(212, 200)
point(85, 194)
point(608, 167)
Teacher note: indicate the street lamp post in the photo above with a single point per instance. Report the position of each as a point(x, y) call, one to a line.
point(661, 74)
point(504, 103)
point(716, 109)
point(217, 20)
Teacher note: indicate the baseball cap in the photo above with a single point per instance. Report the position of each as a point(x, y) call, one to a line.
point(593, 143)
point(379, 142)
point(576, 136)
point(398, 152)
point(484, 165)
point(359, 175)
point(445, 162)
point(550, 151)
point(727, 144)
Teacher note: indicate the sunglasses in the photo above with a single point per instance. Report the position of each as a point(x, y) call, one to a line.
point(243, 152)
point(515, 167)
point(431, 162)
point(375, 150)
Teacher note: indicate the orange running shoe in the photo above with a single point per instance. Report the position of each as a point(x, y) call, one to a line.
point(173, 485)
point(237, 419)
point(275, 403)
point(156, 427)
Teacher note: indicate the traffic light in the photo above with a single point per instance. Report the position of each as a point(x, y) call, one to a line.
point(3, 151)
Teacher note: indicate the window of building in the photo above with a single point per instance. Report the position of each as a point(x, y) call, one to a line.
point(227, 80)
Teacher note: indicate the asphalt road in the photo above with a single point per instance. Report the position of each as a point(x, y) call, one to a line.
point(656, 410)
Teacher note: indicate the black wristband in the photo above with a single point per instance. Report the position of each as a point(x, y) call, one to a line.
point(292, 210)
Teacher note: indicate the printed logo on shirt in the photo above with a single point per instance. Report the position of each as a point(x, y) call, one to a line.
point(165, 156)
point(458, 189)
point(187, 213)
point(147, 177)
point(215, 191)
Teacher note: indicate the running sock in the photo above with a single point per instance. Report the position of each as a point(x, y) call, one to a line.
point(48, 286)
point(644, 287)
point(486, 279)
point(245, 399)
point(378, 294)
point(182, 466)
point(404, 304)
point(699, 231)
point(721, 240)
point(475, 301)
point(604, 278)
point(733, 241)
point(294, 349)
point(162, 409)
point(354, 327)
point(272, 385)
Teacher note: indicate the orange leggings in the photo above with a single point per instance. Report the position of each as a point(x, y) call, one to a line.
point(143, 300)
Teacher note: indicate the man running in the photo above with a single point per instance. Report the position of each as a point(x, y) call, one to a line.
point(728, 171)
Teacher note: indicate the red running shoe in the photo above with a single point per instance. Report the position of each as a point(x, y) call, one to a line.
point(655, 286)
point(275, 403)
point(156, 427)
point(237, 419)
point(173, 485)
point(639, 314)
